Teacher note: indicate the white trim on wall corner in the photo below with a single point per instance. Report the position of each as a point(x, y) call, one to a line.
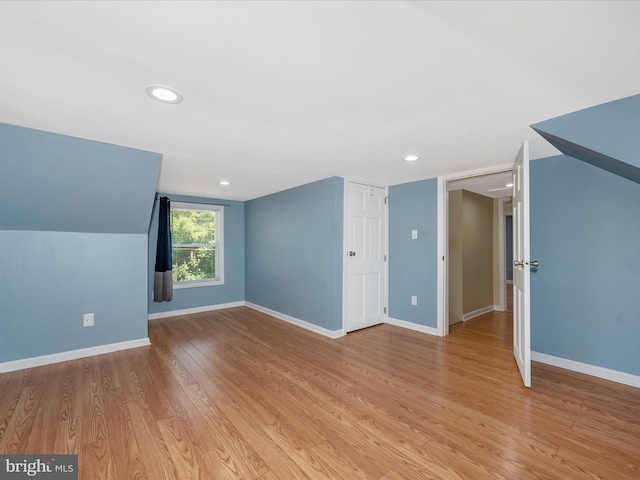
point(296, 321)
point(345, 227)
point(442, 285)
point(413, 326)
point(600, 372)
point(71, 355)
point(188, 311)
point(502, 254)
point(477, 313)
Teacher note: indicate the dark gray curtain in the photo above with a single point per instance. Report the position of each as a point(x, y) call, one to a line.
point(163, 278)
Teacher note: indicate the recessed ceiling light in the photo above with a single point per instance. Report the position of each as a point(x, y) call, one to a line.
point(163, 94)
point(225, 182)
point(411, 158)
point(509, 185)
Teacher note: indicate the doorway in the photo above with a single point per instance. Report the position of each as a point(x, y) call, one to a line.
point(521, 250)
point(485, 193)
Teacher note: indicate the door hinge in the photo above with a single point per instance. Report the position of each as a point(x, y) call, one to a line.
point(385, 258)
point(443, 258)
point(386, 200)
point(385, 309)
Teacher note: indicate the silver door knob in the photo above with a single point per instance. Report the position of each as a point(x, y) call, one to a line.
point(535, 263)
point(352, 254)
point(517, 263)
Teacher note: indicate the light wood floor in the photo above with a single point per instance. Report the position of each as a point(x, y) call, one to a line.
point(238, 394)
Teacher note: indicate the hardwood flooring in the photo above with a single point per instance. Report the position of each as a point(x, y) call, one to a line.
point(237, 394)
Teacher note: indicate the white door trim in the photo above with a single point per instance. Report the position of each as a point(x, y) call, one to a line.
point(344, 256)
point(385, 293)
point(443, 253)
point(502, 303)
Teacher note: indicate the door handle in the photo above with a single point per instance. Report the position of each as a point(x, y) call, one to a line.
point(522, 263)
point(352, 254)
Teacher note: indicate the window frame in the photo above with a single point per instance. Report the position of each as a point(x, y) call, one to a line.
point(218, 244)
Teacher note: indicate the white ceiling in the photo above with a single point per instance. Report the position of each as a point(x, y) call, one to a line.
point(277, 94)
point(494, 185)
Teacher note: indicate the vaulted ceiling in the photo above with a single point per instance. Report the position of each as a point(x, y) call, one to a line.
point(277, 94)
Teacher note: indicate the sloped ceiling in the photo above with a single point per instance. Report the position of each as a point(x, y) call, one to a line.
point(605, 136)
point(52, 182)
point(281, 93)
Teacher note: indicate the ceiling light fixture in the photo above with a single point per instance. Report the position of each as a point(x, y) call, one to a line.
point(411, 158)
point(225, 182)
point(164, 94)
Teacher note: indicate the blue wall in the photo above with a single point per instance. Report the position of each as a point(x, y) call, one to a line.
point(73, 231)
point(585, 231)
point(48, 280)
point(52, 182)
point(609, 129)
point(294, 245)
point(413, 263)
point(234, 277)
point(604, 136)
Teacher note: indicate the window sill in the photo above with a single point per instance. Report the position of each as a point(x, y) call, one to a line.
point(197, 283)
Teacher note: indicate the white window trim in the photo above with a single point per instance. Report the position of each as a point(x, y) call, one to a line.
point(219, 231)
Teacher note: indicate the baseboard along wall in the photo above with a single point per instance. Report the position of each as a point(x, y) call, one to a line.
point(296, 321)
point(477, 313)
point(71, 355)
point(412, 326)
point(600, 372)
point(189, 311)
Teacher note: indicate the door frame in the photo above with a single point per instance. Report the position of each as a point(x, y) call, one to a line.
point(385, 271)
point(443, 239)
point(502, 261)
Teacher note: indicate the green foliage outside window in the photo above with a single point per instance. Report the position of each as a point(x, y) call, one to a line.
point(193, 237)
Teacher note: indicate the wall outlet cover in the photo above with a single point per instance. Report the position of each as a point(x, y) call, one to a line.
point(87, 320)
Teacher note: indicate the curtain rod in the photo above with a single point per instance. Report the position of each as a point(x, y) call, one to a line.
point(193, 201)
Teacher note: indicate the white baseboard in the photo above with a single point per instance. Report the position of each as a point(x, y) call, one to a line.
point(496, 308)
point(600, 372)
point(297, 321)
point(477, 313)
point(71, 355)
point(509, 282)
point(188, 311)
point(412, 326)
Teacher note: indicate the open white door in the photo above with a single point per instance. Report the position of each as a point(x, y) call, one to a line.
point(365, 267)
point(521, 273)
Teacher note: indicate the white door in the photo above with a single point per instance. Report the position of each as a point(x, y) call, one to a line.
point(365, 256)
point(521, 273)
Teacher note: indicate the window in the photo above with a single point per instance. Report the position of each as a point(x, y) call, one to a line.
point(196, 234)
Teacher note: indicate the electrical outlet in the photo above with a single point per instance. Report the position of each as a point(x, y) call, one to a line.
point(414, 300)
point(87, 320)
point(414, 234)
